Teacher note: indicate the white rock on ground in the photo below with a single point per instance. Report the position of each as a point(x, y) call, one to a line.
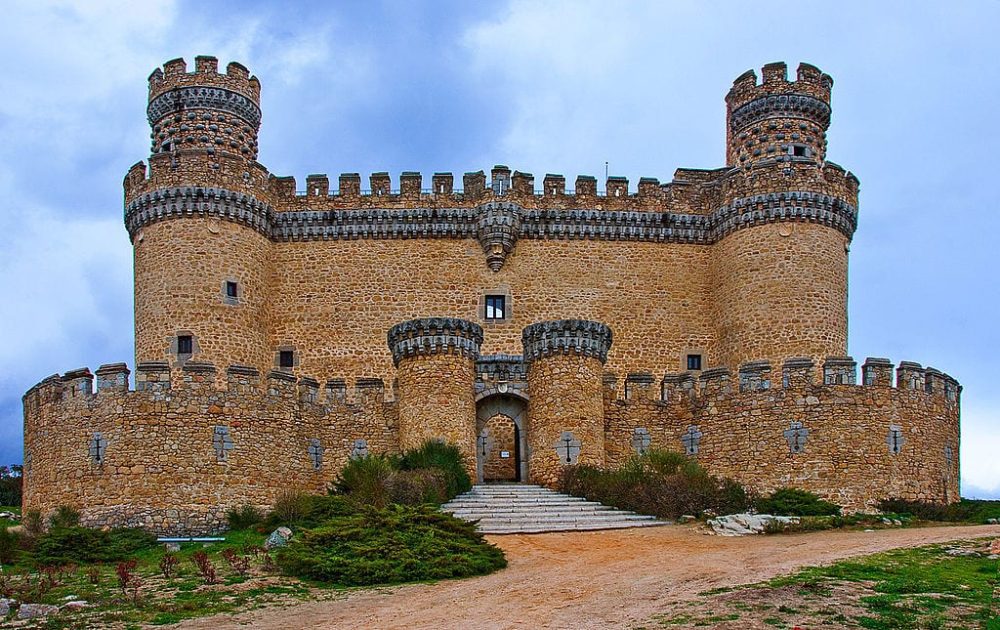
point(746, 524)
point(5, 605)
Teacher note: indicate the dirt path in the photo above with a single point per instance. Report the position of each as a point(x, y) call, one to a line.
point(588, 580)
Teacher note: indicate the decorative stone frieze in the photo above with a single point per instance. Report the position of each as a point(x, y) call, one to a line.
point(181, 100)
point(564, 336)
point(434, 335)
point(784, 105)
point(496, 225)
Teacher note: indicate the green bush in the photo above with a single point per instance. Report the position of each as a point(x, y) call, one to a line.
point(964, 511)
point(289, 507)
point(795, 502)
point(661, 483)
point(244, 517)
point(365, 480)
point(67, 545)
point(10, 544)
point(388, 546)
point(440, 456)
point(64, 516)
point(11, 485)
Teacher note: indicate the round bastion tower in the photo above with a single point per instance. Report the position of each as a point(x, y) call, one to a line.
point(198, 218)
point(780, 285)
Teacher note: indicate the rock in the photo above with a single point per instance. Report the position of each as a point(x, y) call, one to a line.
point(172, 547)
point(992, 521)
point(278, 538)
point(897, 522)
point(68, 598)
point(685, 518)
point(10, 516)
point(745, 524)
point(76, 604)
point(962, 552)
point(886, 521)
point(5, 606)
point(995, 546)
point(33, 611)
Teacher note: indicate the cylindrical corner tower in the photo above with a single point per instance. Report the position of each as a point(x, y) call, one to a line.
point(566, 410)
point(779, 266)
point(435, 362)
point(199, 220)
point(778, 118)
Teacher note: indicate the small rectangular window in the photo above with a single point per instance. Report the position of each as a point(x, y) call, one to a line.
point(798, 150)
point(185, 344)
point(231, 289)
point(495, 307)
point(694, 362)
point(286, 359)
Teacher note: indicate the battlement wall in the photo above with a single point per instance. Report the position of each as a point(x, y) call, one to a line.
point(801, 425)
point(185, 445)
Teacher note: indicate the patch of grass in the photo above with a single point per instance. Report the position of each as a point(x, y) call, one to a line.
point(923, 587)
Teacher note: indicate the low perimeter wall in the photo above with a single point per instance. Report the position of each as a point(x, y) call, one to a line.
point(802, 427)
point(175, 454)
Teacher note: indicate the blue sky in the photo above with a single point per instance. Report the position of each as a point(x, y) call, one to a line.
point(540, 86)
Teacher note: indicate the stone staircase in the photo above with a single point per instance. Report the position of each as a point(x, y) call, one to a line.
point(526, 509)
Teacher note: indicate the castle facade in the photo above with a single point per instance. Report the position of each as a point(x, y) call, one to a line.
point(280, 331)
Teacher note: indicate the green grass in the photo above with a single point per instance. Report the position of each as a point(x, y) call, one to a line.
point(917, 588)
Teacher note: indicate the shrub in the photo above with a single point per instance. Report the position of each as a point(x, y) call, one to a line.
point(310, 511)
point(168, 564)
point(244, 517)
point(388, 546)
point(32, 524)
point(365, 480)
point(416, 487)
point(661, 483)
point(795, 502)
point(440, 456)
point(64, 516)
point(205, 567)
point(289, 507)
point(10, 544)
point(964, 511)
point(83, 545)
point(11, 485)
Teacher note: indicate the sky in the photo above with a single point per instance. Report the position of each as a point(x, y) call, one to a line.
point(543, 87)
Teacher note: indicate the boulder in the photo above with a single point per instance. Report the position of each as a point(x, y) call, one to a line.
point(5, 606)
point(685, 518)
point(10, 516)
point(278, 538)
point(995, 547)
point(33, 611)
point(172, 547)
point(76, 604)
point(746, 524)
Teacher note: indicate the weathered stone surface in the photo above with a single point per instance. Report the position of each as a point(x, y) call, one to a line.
point(34, 611)
point(746, 524)
point(278, 538)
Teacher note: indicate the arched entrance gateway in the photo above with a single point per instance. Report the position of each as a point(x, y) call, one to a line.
point(501, 443)
point(501, 419)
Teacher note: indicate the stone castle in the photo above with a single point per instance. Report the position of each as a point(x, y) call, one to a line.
point(280, 332)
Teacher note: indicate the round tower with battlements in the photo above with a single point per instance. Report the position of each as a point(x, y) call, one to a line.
point(566, 410)
point(435, 361)
point(779, 281)
point(198, 221)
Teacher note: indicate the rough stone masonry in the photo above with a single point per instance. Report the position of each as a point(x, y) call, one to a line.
point(281, 329)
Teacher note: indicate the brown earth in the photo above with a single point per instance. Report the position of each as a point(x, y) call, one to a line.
point(611, 579)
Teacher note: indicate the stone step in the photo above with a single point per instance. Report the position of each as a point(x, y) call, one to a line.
point(515, 508)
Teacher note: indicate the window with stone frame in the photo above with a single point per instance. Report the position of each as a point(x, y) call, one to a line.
point(185, 344)
point(693, 362)
point(496, 307)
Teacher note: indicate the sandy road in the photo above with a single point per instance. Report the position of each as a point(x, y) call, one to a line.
point(611, 579)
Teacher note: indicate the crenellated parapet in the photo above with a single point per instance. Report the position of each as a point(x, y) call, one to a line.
point(566, 336)
point(434, 335)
